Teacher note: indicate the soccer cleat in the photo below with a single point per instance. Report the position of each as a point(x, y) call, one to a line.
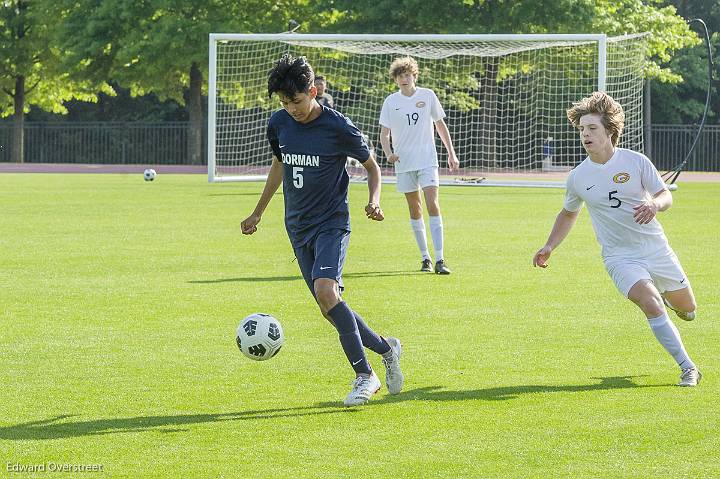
point(394, 378)
point(690, 377)
point(684, 315)
point(441, 267)
point(426, 266)
point(362, 390)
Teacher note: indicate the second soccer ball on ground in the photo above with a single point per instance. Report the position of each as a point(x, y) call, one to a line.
point(149, 174)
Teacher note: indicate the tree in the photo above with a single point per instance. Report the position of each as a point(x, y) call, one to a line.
point(612, 17)
point(452, 16)
point(161, 46)
point(28, 68)
point(669, 32)
point(686, 102)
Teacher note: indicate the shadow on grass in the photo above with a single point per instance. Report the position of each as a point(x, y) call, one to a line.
point(253, 279)
point(57, 428)
point(370, 274)
point(235, 194)
point(248, 279)
point(435, 393)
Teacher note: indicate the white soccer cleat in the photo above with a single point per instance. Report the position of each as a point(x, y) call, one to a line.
point(362, 390)
point(684, 315)
point(690, 377)
point(394, 378)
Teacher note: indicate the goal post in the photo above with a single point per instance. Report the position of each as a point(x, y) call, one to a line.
point(505, 95)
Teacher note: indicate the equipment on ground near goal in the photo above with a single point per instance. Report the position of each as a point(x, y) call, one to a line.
point(505, 96)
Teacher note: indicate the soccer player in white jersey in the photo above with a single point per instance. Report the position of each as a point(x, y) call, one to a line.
point(409, 118)
point(624, 192)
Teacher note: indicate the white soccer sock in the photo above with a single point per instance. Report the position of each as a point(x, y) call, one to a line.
point(418, 227)
point(436, 231)
point(669, 336)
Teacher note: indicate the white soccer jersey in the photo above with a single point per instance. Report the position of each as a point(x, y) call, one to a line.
point(411, 121)
point(611, 191)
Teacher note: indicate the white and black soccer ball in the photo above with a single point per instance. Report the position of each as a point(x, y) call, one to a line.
point(149, 174)
point(259, 336)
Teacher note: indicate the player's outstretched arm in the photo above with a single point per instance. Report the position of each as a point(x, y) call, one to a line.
point(563, 224)
point(373, 210)
point(273, 182)
point(442, 129)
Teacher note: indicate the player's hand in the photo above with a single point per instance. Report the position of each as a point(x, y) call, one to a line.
point(541, 257)
point(453, 163)
point(645, 212)
point(249, 225)
point(394, 158)
point(374, 212)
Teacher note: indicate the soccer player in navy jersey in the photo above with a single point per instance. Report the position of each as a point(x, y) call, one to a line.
point(310, 145)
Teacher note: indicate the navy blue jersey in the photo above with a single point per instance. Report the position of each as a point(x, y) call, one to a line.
point(315, 182)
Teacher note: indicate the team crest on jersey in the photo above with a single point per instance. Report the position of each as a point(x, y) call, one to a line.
point(420, 104)
point(621, 178)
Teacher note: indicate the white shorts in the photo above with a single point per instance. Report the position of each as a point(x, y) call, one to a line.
point(410, 181)
point(663, 269)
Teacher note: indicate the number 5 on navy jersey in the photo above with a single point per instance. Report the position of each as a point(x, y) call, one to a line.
point(297, 177)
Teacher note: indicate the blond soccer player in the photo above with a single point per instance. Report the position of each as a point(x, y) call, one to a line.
point(624, 192)
point(408, 120)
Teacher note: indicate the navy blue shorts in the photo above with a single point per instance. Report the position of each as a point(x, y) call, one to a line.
point(323, 257)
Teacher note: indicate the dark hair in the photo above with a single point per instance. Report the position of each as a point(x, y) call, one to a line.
point(290, 76)
point(319, 77)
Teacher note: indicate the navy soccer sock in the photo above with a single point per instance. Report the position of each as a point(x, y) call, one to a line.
point(350, 339)
point(370, 339)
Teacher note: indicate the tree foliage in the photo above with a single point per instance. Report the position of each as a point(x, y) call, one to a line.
point(452, 16)
point(612, 17)
point(68, 50)
point(684, 103)
point(149, 46)
point(26, 32)
point(161, 46)
point(30, 72)
point(669, 32)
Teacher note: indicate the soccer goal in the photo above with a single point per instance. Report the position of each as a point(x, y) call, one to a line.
point(505, 96)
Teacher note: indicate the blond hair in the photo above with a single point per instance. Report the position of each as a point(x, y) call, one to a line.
point(403, 65)
point(610, 111)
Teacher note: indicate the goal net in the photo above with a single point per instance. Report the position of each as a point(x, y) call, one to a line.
point(505, 96)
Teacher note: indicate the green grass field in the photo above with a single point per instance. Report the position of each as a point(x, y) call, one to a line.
point(119, 302)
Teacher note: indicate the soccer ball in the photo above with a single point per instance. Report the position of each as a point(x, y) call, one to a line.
point(149, 174)
point(259, 336)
